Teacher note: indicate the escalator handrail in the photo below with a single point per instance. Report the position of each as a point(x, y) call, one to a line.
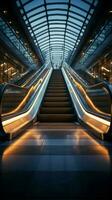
point(35, 77)
point(104, 84)
point(88, 110)
point(3, 87)
point(79, 79)
point(32, 77)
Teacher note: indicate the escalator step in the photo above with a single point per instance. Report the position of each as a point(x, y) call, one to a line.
point(59, 99)
point(50, 94)
point(57, 104)
point(56, 118)
point(56, 110)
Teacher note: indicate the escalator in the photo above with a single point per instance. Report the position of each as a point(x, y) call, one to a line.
point(57, 105)
point(54, 160)
point(56, 96)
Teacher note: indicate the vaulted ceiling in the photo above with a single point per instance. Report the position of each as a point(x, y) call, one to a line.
point(57, 26)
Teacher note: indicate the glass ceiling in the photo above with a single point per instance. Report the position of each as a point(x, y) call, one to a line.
point(57, 25)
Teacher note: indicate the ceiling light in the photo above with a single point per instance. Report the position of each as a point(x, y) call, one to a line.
point(90, 40)
point(4, 11)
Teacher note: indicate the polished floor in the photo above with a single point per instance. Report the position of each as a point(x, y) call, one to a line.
point(56, 162)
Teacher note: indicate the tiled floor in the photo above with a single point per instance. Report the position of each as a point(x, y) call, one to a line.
point(56, 163)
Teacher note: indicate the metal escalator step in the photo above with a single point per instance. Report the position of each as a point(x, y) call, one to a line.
point(56, 94)
point(56, 117)
point(57, 90)
point(57, 104)
point(58, 99)
point(56, 86)
point(52, 110)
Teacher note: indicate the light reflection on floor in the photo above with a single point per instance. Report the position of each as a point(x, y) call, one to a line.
point(77, 143)
point(49, 163)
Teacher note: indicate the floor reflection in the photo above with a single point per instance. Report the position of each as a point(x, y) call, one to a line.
point(56, 163)
point(32, 134)
point(69, 149)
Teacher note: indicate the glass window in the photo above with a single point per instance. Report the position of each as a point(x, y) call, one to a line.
point(75, 21)
point(59, 39)
point(36, 11)
point(57, 25)
point(56, 6)
point(41, 30)
point(42, 33)
point(56, 33)
point(18, 4)
point(78, 10)
point(43, 36)
point(51, 1)
point(72, 33)
point(21, 11)
point(77, 16)
point(38, 20)
point(39, 26)
point(56, 11)
point(56, 36)
point(80, 4)
point(57, 17)
point(33, 4)
point(43, 39)
point(73, 29)
point(45, 48)
point(70, 37)
point(24, 1)
point(36, 17)
point(24, 17)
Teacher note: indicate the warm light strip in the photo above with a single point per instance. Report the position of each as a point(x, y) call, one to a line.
point(13, 147)
point(103, 68)
point(88, 114)
point(8, 69)
point(28, 112)
point(94, 127)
